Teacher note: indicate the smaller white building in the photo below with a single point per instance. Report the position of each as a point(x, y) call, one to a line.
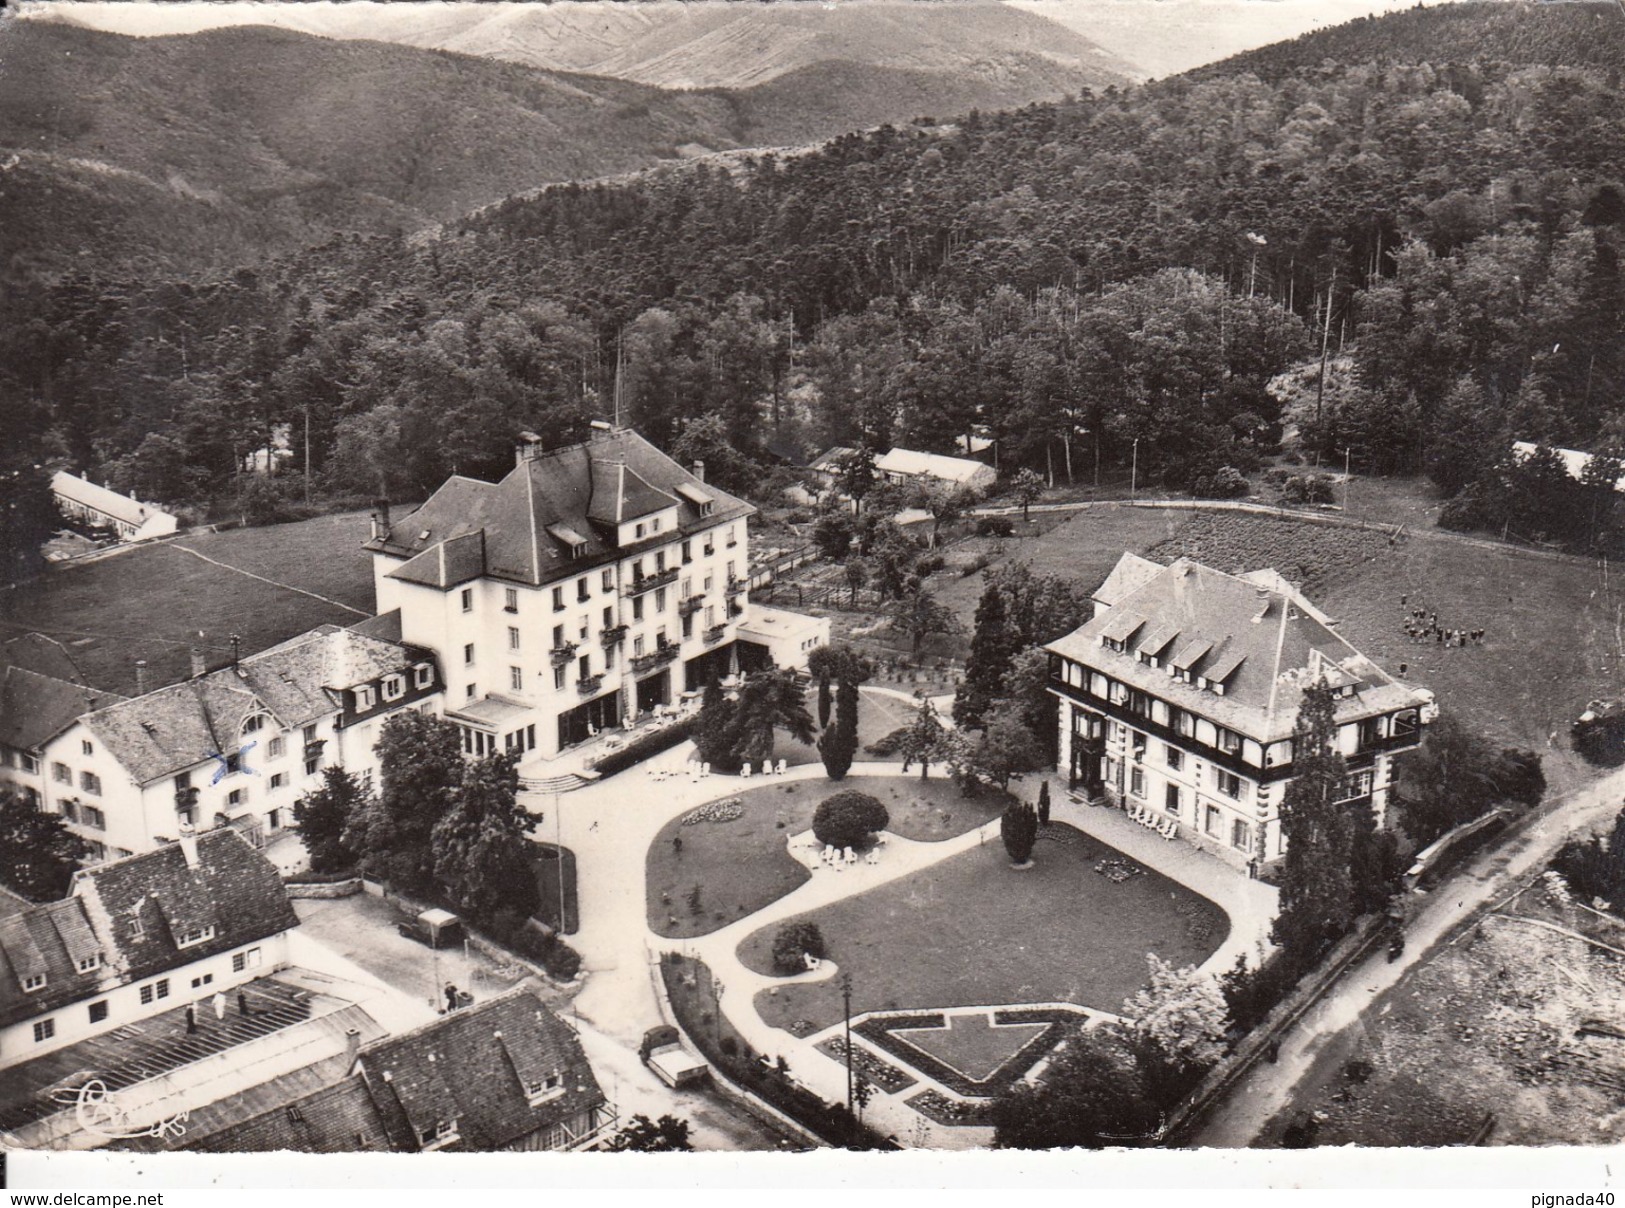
point(129, 517)
point(907, 465)
point(138, 937)
point(1574, 461)
point(776, 637)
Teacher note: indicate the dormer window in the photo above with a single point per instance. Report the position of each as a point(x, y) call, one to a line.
point(36, 982)
point(394, 687)
point(363, 698)
point(544, 1088)
point(422, 675)
point(89, 964)
point(443, 1133)
point(193, 937)
point(254, 724)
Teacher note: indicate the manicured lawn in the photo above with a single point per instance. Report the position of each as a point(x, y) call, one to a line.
point(742, 865)
point(556, 884)
point(971, 931)
point(972, 1044)
point(150, 603)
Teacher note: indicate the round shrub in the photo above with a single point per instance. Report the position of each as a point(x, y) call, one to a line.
point(794, 943)
point(995, 526)
point(1226, 482)
point(848, 818)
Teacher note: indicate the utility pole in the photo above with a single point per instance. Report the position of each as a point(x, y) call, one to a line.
point(846, 1000)
point(1325, 345)
point(1347, 481)
point(1134, 471)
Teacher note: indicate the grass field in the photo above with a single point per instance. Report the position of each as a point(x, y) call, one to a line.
point(972, 931)
point(743, 865)
point(151, 602)
point(555, 869)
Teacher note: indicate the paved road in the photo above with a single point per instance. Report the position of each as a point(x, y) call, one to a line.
point(1238, 1120)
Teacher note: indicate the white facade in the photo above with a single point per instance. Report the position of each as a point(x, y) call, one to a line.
point(128, 516)
point(125, 1003)
point(621, 634)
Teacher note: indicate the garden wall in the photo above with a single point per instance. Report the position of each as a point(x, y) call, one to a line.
point(1189, 1115)
point(346, 888)
point(481, 943)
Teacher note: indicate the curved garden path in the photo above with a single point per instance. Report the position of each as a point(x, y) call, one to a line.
point(611, 825)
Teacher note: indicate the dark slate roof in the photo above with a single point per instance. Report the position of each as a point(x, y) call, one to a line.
point(296, 682)
point(470, 529)
point(40, 654)
point(233, 889)
point(341, 1118)
point(386, 626)
point(471, 1066)
point(1264, 642)
point(36, 708)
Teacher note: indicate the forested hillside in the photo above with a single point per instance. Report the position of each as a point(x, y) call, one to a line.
point(1072, 276)
point(1584, 33)
point(211, 149)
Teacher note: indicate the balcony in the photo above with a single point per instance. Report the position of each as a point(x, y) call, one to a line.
point(714, 634)
point(185, 799)
point(591, 684)
point(735, 587)
point(690, 605)
point(649, 582)
point(613, 636)
point(560, 655)
point(655, 658)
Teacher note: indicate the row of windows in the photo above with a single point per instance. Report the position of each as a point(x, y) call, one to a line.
point(89, 782)
point(393, 687)
point(45, 1029)
point(1212, 817)
point(583, 585)
point(19, 759)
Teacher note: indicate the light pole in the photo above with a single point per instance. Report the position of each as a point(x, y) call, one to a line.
point(1134, 471)
point(846, 999)
point(1347, 481)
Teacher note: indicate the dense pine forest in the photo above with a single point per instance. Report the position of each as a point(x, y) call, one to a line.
point(1435, 200)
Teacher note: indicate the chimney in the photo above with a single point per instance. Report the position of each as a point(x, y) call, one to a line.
point(527, 449)
point(188, 842)
point(699, 469)
point(352, 1044)
point(236, 649)
point(141, 677)
point(199, 667)
point(380, 519)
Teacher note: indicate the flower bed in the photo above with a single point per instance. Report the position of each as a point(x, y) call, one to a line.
point(934, 1105)
point(882, 1073)
point(880, 1030)
point(715, 811)
point(1117, 870)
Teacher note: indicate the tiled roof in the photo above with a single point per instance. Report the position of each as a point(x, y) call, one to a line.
point(471, 1067)
point(469, 529)
point(233, 889)
point(179, 726)
point(1265, 644)
point(109, 503)
point(341, 1118)
point(934, 465)
point(42, 655)
point(1130, 573)
point(386, 626)
point(36, 708)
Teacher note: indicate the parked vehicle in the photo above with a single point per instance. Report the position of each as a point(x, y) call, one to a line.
point(435, 928)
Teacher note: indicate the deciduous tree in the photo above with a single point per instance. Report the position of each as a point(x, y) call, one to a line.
point(322, 817)
point(482, 853)
point(38, 853)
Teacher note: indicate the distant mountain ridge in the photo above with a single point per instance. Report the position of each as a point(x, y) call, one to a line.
point(246, 139)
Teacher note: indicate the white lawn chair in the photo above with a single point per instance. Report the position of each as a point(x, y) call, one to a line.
point(705, 769)
point(849, 856)
point(744, 771)
point(784, 766)
point(873, 857)
point(1171, 831)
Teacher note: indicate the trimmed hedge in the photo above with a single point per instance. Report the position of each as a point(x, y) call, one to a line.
point(881, 1032)
point(639, 749)
point(831, 1121)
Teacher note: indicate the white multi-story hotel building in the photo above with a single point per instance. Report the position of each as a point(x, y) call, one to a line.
point(1181, 695)
point(591, 585)
point(232, 747)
